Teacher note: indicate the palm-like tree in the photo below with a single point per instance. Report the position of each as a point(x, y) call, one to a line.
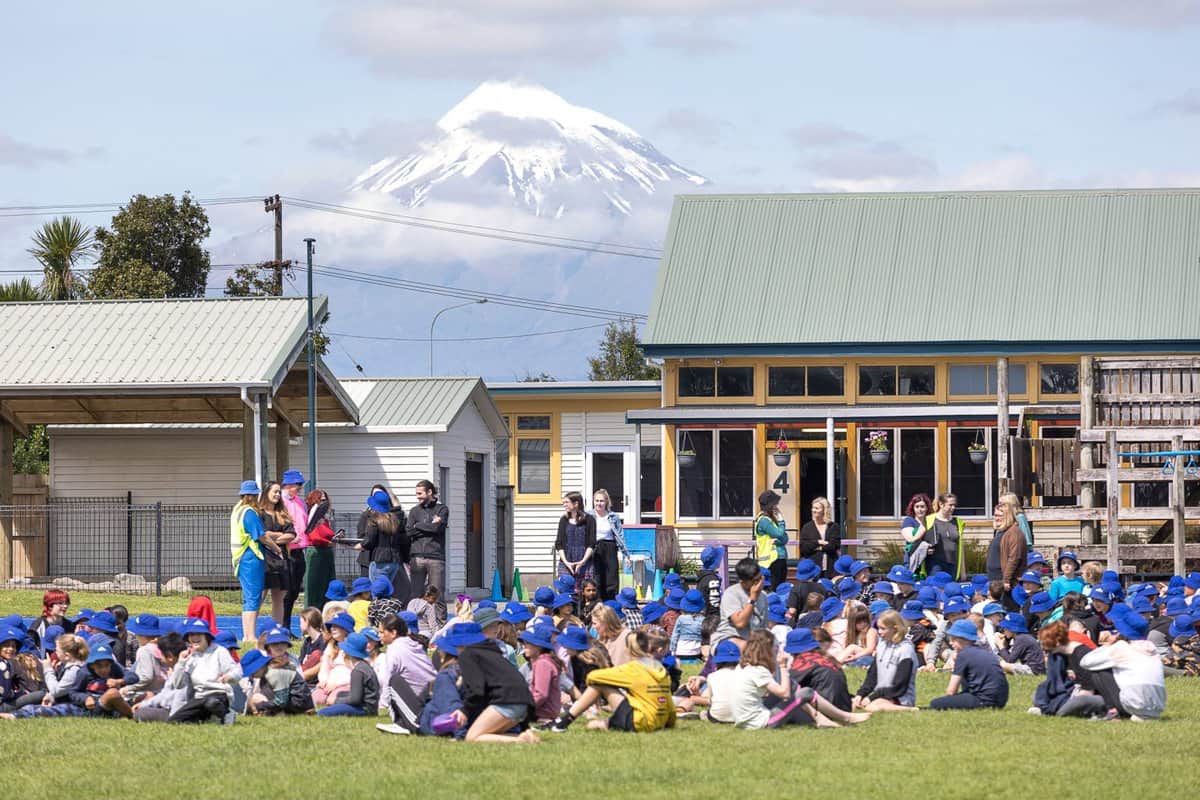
point(19, 291)
point(58, 246)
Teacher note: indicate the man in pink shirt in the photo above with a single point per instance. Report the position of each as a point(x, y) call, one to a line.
point(292, 484)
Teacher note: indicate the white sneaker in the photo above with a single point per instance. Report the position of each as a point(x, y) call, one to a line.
point(391, 727)
point(1037, 712)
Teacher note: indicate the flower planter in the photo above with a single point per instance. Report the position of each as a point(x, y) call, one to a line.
point(782, 459)
point(977, 456)
point(686, 460)
point(881, 456)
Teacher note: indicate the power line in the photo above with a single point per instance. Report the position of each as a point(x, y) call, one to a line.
point(104, 208)
point(471, 338)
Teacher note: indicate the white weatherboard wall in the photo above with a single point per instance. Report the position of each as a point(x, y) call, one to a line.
point(467, 434)
point(535, 526)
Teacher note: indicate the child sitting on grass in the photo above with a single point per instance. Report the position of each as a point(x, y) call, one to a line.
point(977, 673)
point(312, 644)
point(61, 682)
point(334, 674)
point(282, 688)
point(1020, 653)
point(209, 672)
point(159, 706)
point(545, 669)
point(149, 669)
point(1068, 579)
point(426, 609)
point(687, 637)
point(891, 682)
point(360, 602)
point(361, 698)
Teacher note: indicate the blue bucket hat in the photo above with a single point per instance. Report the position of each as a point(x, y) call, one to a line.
point(1183, 625)
point(1111, 576)
point(291, 476)
point(848, 588)
point(355, 646)
point(710, 556)
point(884, 587)
point(1176, 606)
point(543, 596)
point(50, 636)
point(992, 608)
point(777, 615)
point(372, 635)
point(766, 574)
point(939, 578)
point(1068, 554)
point(1176, 582)
point(1130, 625)
point(465, 633)
point(1019, 594)
point(565, 584)
point(360, 586)
point(485, 618)
point(515, 613)
point(672, 579)
point(957, 605)
point(980, 583)
point(901, 574)
point(561, 600)
point(411, 620)
point(830, 608)
point(673, 599)
point(807, 570)
point(1041, 602)
point(877, 607)
point(85, 614)
point(14, 621)
point(538, 636)
point(628, 597)
point(858, 566)
point(228, 640)
point(145, 625)
point(1029, 576)
point(843, 565)
point(279, 635)
point(342, 620)
point(1100, 594)
point(727, 653)
point(1192, 580)
point(382, 587)
point(798, 641)
point(249, 487)
point(617, 608)
point(105, 622)
point(784, 590)
point(653, 612)
point(928, 597)
point(254, 661)
point(12, 635)
point(336, 590)
point(1034, 557)
point(379, 502)
point(828, 586)
point(954, 590)
point(445, 647)
point(1014, 623)
point(574, 637)
point(912, 611)
point(100, 652)
point(1176, 591)
point(1141, 604)
point(963, 629)
point(693, 602)
point(1114, 589)
point(487, 603)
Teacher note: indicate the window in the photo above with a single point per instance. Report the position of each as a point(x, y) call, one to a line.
point(502, 476)
point(980, 379)
point(716, 382)
point(893, 381)
point(533, 466)
point(971, 482)
point(805, 381)
point(720, 481)
point(650, 482)
point(533, 423)
point(884, 489)
point(525, 458)
point(1060, 378)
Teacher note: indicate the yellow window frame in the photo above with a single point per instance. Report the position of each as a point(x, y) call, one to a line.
point(554, 496)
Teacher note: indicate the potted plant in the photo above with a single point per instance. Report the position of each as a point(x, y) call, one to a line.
point(977, 452)
point(685, 457)
point(782, 455)
point(877, 444)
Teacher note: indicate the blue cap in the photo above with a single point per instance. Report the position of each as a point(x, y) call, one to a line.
point(830, 608)
point(228, 640)
point(101, 652)
point(565, 584)
point(561, 600)
point(379, 502)
point(1030, 576)
point(145, 625)
point(848, 588)
point(912, 611)
point(957, 605)
point(777, 615)
point(1129, 624)
point(250, 487)
point(410, 619)
point(726, 653)
point(253, 661)
point(627, 597)
point(515, 613)
point(50, 636)
point(342, 620)
point(291, 476)
point(1034, 557)
point(693, 602)
point(617, 608)
point(574, 637)
point(538, 636)
point(807, 570)
point(465, 633)
point(653, 612)
point(355, 646)
point(336, 590)
point(1068, 554)
point(799, 640)
point(963, 629)
point(104, 621)
point(992, 608)
point(843, 564)
point(1176, 606)
point(543, 596)
point(901, 574)
point(382, 587)
point(360, 586)
point(673, 599)
point(1040, 602)
point(710, 556)
point(1192, 580)
point(372, 635)
point(884, 587)
point(1014, 622)
point(877, 607)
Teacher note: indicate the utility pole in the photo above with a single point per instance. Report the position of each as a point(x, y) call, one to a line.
point(312, 375)
point(275, 204)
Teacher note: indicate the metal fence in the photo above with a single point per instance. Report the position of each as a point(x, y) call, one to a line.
point(98, 539)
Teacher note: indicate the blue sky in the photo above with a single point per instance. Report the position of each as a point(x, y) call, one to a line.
point(244, 99)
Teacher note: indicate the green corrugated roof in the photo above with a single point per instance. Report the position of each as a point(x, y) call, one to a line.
point(420, 404)
point(945, 268)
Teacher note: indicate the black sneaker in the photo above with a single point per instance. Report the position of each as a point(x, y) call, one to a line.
point(559, 725)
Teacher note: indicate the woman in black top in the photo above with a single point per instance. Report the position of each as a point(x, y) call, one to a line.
point(576, 540)
point(279, 531)
point(495, 696)
point(821, 538)
point(384, 538)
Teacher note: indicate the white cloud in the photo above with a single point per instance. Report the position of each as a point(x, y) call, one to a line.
point(819, 134)
point(688, 123)
point(1156, 14)
point(28, 156)
point(1185, 104)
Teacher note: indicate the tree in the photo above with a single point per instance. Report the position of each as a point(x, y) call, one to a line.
point(129, 280)
point(256, 280)
point(31, 454)
point(166, 237)
point(621, 357)
point(541, 377)
point(20, 291)
point(58, 246)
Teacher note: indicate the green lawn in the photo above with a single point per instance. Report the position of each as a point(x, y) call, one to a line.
point(29, 602)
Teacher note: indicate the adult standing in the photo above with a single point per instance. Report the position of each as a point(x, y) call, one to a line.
point(364, 554)
point(944, 535)
point(770, 534)
point(821, 538)
point(610, 541)
point(575, 543)
point(1006, 553)
point(385, 539)
point(320, 569)
point(912, 527)
point(279, 533)
point(291, 485)
point(245, 533)
point(426, 527)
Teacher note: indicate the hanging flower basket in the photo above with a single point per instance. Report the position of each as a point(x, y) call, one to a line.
point(877, 444)
point(881, 456)
point(686, 458)
point(782, 455)
point(978, 455)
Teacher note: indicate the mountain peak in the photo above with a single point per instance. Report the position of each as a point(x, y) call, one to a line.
point(544, 152)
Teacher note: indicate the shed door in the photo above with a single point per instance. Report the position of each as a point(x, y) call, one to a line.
point(611, 467)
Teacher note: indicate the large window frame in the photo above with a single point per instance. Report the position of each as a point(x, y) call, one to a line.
point(897, 380)
point(808, 395)
point(518, 435)
point(1042, 378)
point(1014, 368)
point(715, 474)
point(719, 381)
point(895, 439)
point(989, 465)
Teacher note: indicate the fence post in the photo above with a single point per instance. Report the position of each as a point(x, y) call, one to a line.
point(158, 548)
point(129, 532)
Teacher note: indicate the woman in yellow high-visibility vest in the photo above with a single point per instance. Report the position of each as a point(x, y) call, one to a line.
point(245, 532)
point(944, 534)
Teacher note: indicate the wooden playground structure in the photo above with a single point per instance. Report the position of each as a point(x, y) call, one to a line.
point(1139, 423)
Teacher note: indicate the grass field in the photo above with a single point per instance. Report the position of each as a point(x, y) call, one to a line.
point(29, 603)
point(992, 754)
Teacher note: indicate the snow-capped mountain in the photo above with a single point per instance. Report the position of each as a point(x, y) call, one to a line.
point(545, 153)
